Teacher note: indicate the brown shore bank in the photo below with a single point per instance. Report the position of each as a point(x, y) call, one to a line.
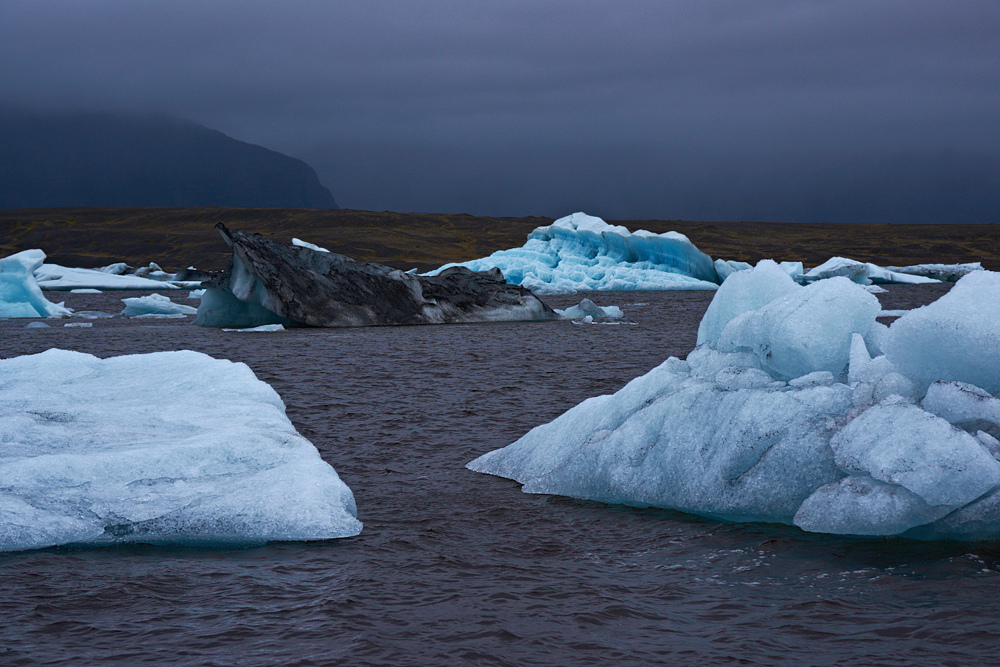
point(180, 237)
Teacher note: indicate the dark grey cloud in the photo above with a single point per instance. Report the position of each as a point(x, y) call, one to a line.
point(792, 109)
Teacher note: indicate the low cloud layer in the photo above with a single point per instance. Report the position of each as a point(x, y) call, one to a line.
point(786, 110)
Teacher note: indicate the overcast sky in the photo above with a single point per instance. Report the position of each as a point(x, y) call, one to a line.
point(834, 110)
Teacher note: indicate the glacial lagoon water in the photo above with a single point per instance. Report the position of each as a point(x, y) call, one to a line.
point(455, 567)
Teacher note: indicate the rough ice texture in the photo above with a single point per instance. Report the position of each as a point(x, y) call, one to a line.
point(92, 451)
point(274, 283)
point(955, 338)
point(788, 411)
point(583, 253)
point(155, 304)
point(586, 308)
point(20, 294)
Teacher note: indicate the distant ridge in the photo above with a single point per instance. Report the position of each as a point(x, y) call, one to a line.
point(103, 159)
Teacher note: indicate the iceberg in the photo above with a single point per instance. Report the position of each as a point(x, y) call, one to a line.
point(581, 252)
point(942, 272)
point(584, 253)
point(95, 453)
point(798, 407)
point(20, 294)
point(587, 308)
point(306, 244)
point(863, 273)
point(292, 285)
point(62, 278)
point(155, 304)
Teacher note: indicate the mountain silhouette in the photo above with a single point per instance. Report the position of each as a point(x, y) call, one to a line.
point(104, 159)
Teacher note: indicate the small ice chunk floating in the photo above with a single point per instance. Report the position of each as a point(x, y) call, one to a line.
point(295, 285)
point(169, 447)
point(155, 305)
point(588, 308)
point(798, 407)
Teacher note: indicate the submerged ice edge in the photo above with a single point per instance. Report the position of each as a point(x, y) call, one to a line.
point(798, 407)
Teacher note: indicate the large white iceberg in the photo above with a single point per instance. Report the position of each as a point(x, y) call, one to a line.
point(789, 411)
point(20, 294)
point(583, 253)
point(162, 447)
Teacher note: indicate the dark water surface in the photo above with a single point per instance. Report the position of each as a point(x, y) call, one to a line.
point(455, 567)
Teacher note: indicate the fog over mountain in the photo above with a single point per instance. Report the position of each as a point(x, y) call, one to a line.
point(883, 111)
point(91, 159)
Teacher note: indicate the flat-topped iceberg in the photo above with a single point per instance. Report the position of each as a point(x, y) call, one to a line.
point(863, 273)
point(798, 407)
point(155, 304)
point(162, 447)
point(20, 294)
point(584, 253)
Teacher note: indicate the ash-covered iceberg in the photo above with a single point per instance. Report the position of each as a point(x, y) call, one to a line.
point(584, 253)
point(293, 285)
point(20, 294)
point(162, 447)
point(798, 407)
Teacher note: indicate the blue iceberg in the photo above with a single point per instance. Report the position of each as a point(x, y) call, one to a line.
point(583, 253)
point(20, 294)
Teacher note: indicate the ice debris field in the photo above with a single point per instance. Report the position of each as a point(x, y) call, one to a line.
point(576, 253)
point(94, 453)
point(797, 407)
point(581, 252)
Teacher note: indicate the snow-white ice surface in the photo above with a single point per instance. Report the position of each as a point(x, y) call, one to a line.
point(306, 244)
point(583, 253)
point(162, 447)
point(20, 294)
point(55, 277)
point(155, 304)
point(586, 308)
point(788, 411)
